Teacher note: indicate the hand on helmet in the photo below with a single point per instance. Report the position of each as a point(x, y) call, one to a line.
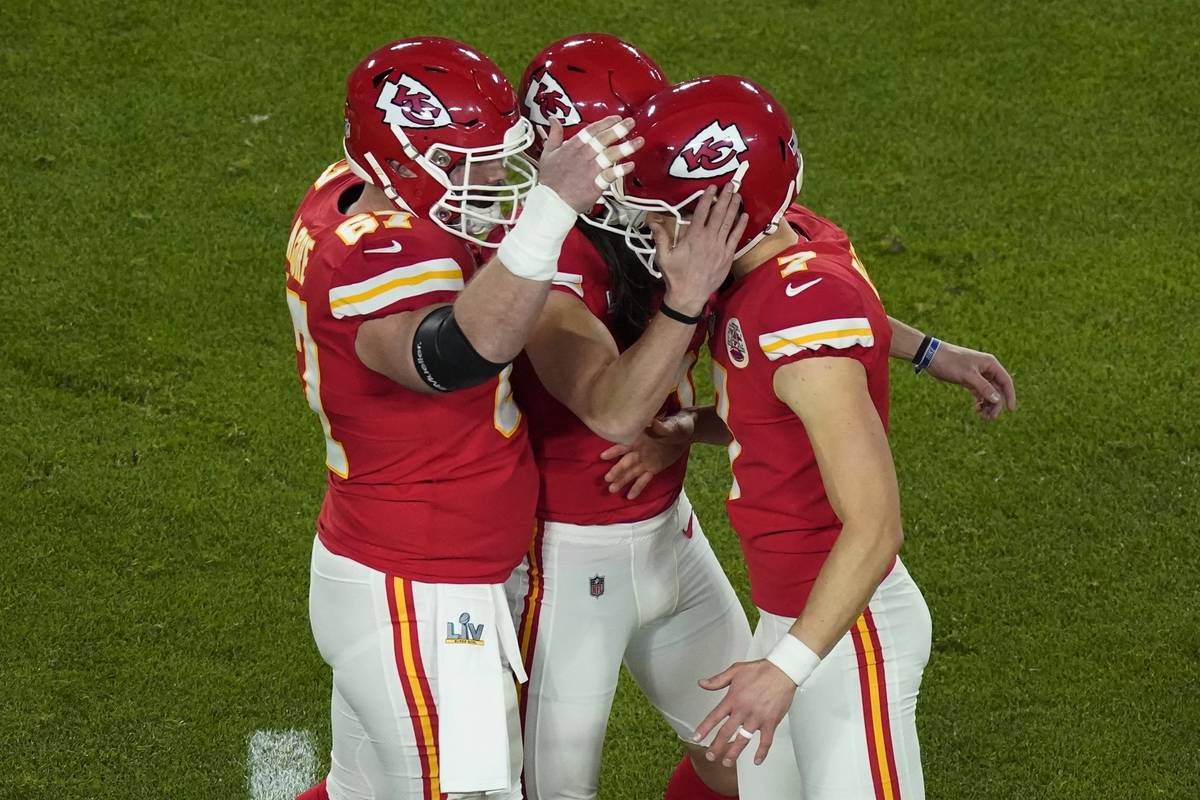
point(580, 169)
point(696, 265)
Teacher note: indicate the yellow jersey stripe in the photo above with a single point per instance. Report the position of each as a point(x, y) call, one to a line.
point(390, 286)
point(821, 326)
point(399, 283)
point(825, 337)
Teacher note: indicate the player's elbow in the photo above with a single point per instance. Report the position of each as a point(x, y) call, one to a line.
point(616, 428)
point(886, 539)
point(880, 529)
point(893, 536)
point(445, 357)
point(889, 532)
point(610, 413)
point(494, 350)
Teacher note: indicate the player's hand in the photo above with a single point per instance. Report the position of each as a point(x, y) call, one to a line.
point(759, 697)
point(981, 374)
point(695, 266)
point(655, 449)
point(581, 168)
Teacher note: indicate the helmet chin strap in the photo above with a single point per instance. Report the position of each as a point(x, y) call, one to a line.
point(355, 167)
point(740, 174)
point(381, 181)
point(771, 226)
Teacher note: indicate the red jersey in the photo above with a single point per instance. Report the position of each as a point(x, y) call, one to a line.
point(439, 488)
point(573, 488)
point(813, 300)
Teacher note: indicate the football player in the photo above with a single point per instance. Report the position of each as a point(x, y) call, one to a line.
point(611, 579)
point(402, 346)
point(600, 360)
point(800, 344)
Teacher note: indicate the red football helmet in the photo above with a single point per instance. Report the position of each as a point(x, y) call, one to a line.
point(582, 79)
point(710, 131)
point(419, 109)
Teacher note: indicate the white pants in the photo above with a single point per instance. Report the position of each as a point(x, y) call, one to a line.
point(651, 594)
point(853, 725)
point(381, 634)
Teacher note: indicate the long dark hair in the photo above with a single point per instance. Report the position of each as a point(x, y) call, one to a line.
point(634, 292)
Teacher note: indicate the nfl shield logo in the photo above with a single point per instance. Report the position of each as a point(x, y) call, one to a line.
point(596, 584)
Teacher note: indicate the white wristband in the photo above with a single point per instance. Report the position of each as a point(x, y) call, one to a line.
point(531, 248)
point(795, 658)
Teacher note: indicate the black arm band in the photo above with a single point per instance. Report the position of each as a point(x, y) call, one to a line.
point(679, 316)
point(444, 356)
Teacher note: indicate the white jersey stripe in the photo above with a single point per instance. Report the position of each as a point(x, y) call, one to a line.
point(365, 297)
point(836, 333)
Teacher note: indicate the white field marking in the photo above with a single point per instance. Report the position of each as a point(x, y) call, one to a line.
point(280, 764)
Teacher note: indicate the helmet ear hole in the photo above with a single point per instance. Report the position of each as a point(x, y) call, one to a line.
point(401, 170)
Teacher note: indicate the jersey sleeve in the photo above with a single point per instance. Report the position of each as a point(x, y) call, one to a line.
point(583, 273)
point(825, 318)
point(388, 273)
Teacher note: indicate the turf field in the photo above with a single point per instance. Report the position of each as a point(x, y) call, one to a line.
point(1019, 176)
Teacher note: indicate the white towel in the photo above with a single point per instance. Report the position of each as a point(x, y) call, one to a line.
point(473, 723)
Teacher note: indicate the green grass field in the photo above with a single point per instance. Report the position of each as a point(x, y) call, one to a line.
point(160, 471)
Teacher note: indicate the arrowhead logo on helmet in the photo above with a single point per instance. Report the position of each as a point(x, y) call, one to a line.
point(411, 104)
point(711, 152)
point(546, 99)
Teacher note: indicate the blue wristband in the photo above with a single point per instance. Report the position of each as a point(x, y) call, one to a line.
point(924, 359)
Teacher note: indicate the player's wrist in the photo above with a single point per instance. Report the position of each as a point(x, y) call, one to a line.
point(531, 248)
point(683, 305)
point(925, 354)
point(794, 658)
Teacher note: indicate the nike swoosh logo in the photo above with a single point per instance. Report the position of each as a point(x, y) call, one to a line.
point(792, 291)
point(395, 248)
